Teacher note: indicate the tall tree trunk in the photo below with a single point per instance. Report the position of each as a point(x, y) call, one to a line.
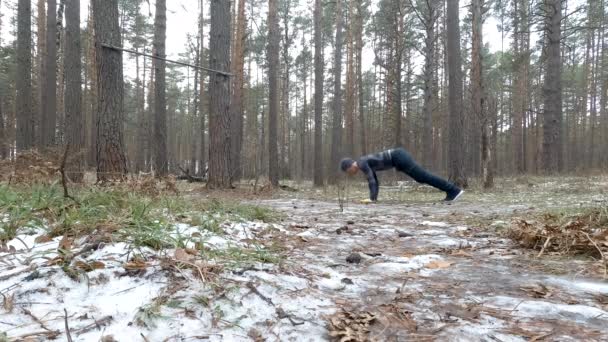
point(285, 132)
point(3, 135)
point(361, 103)
point(238, 109)
point(160, 96)
point(93, 91)
point(477, 91)
point(193, 128)
point(41, 43)
point(428, 18)
point(520, 15)
point(60, 92)
point(273, 91)
point(49, 98)
point(349, 110)
point(111, 160)
point(456, 141)
point(219, 96)
point(552, 90)
point(318, 159)
point(336, 136)
point(73, 91)
point(203, 150)
point(140, 163)
point(25, 123)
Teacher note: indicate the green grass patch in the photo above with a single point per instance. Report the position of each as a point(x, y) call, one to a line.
point(142, 220)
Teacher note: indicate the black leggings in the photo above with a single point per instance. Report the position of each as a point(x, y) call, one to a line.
point(404, 162)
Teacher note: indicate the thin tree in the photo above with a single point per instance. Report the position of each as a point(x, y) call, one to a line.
point(73, 92)
point(25, 129)
point(359, 48)
point(318, 159)
point(111, 160)
point(427, 13)
point(3, 135)
point(219, 96)
point(160, 99)
point(336, 135)
point(521, 42)
point(238, 109)
point(41, 70)
point(201, 96)
point(477, 90)
point(456, 157)
point(349, 110)
point(273, 91)
point(49, 93)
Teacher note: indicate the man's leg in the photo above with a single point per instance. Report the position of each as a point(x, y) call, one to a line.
point(421, 175)
point(406, 164)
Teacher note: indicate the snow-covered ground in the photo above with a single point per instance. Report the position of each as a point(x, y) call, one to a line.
point(420, 277)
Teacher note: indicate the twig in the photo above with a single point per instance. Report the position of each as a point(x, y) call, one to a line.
point(67, 327)
point(97, 324)
point(144, 337)
point(542, 251)
point(604, 259)
point(36, 319)
point(255, 290)
point(10, 275)
point(64, 181)
point(49, 334)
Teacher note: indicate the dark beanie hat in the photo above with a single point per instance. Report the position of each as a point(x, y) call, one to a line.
point(346, 163)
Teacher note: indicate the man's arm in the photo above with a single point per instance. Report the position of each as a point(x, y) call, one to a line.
point(372, 181)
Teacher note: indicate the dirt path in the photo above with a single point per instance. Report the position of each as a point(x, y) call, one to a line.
point(423, 278)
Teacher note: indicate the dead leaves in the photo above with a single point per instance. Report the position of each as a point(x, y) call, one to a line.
point(347, 326)
point(135, 265)
point(89, 266)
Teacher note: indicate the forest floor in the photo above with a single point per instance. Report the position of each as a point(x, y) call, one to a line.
point(304, 265)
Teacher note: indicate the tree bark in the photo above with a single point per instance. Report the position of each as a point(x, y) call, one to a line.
point(73, 92)
point(25, 123)
point(160, 96)
point(219, 97)
point(318, 159)
point(111, 160)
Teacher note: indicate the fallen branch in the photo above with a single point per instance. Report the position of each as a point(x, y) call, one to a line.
point(187, 176)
